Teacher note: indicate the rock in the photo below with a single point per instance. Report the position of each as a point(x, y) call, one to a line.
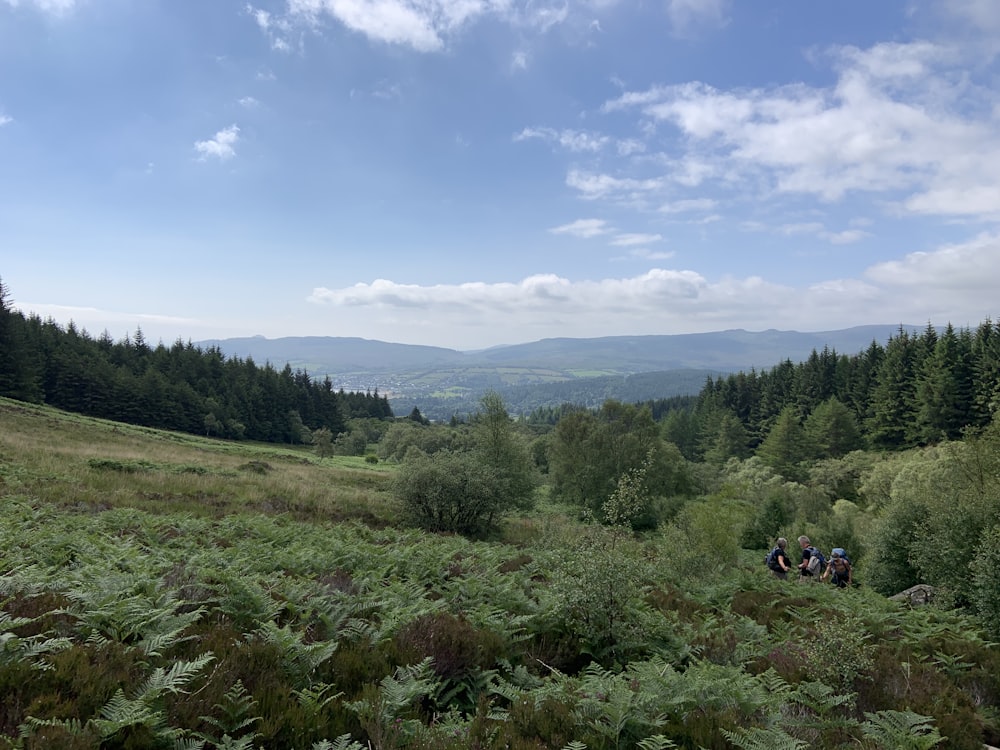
point(915, 596)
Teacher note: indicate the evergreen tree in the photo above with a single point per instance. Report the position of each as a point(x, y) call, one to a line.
point(727, 439)
point(18, 378)
point(786, 446)
point(986, 373)
point(894, 396)
point(944, 389)
point(831, 430)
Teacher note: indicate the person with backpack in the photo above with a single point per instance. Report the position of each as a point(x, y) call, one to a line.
point(813, 563)
point(778, 561)
point(841, 569)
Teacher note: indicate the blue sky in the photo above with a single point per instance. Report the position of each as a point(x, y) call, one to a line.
point(467, 173)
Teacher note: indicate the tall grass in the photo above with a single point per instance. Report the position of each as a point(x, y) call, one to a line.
point(83, 462)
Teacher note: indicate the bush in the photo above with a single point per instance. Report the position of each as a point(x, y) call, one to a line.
point(449, 492)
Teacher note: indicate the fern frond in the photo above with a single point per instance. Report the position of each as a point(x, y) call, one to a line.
point(173, 680)
point(656, 742)
point(343, 742)
point(774, 683)
point(71, 726)
point(755, 738)
point(901, 730)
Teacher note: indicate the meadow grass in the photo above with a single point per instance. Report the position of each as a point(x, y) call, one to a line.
point(85, 462)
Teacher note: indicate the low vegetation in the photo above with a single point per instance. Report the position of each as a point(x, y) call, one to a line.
point(168, 590)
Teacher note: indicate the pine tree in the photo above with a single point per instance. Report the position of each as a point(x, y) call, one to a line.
point(786, 445)
point(944, 389)
point(893, 398)
point(18, 379)
point(831, 430)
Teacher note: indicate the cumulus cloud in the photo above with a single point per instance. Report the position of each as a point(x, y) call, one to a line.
point(954, 283)
point(426, 25)
point(219, 147)
point(901, 120)
point(420, 24)
point(249, 102)
point(5, 119)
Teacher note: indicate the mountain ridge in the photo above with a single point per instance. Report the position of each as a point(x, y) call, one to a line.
point(730, 349)
point(442, 382)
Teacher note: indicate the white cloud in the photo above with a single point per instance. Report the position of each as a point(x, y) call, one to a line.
point(427, 25)
point(262, 17)
point(983, 15)
point(55, 7)
point(809, 227)
point(627, 240)
point(387, 90)
point(690, 204)
point(249, 102)
point(391, 21)
point(686, 13)
point(221, 146)
point(901, 120)
point(519, 60)
point(95, 320)
point(275, 28)
point(593, 186)
point(584, 228)
point(571, 140)
point(971, 268)
point(955, 283)
point(644, 253)
point(629, 146)
point(5, 120)
point(846, 237)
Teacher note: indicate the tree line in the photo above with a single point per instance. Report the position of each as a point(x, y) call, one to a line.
point(181, 387)
point(918, 389)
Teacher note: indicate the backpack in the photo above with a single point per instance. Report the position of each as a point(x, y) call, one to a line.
point(817, 563)
point(843, 555)
point(771, 559)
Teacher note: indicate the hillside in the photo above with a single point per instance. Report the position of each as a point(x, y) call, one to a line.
point(442, 382)
point(167, 590)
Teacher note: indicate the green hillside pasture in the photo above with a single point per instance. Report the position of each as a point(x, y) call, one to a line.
point(90, 463)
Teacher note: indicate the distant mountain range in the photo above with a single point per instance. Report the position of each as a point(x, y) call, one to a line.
point(442, 382)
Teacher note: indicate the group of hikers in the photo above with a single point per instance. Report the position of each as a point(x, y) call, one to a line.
point(814, 565)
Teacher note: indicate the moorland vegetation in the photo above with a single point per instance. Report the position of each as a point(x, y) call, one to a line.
point(589, 578)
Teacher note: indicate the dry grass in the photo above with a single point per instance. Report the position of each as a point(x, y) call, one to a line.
point(89, 463)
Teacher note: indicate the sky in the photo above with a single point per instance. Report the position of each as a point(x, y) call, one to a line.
point(472, 173)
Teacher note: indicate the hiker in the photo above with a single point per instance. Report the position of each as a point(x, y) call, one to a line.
point(778, 561)
point(813, 563)
point(841, 569)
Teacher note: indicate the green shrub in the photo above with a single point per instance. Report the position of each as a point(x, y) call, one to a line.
point(449, 492)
